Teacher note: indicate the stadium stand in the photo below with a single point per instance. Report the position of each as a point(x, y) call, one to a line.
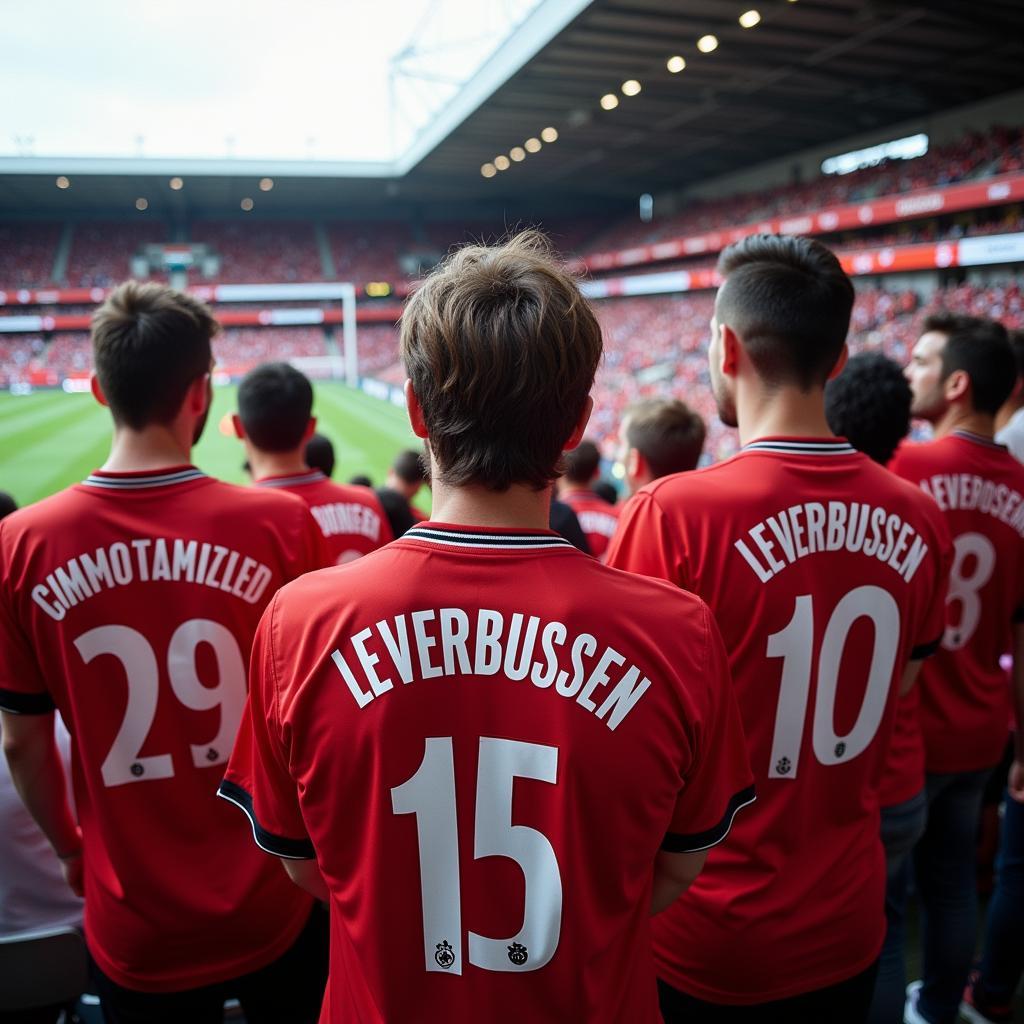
point(27, 253)
point(262, 252)
point(101, 253)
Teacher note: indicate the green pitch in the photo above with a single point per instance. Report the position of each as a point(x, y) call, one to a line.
point(49, 439)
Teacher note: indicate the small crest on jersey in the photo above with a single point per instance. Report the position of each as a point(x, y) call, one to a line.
point(783, 766)
point(840, 749)
point(137, 769)
point(212, 755)
point(444, 956)
point(517, 954)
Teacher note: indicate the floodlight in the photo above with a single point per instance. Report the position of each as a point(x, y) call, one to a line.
point(549, 135)
point(609, 101)
point(676, 64)
point(630, 87)
point(707, 44)
point(748, 19)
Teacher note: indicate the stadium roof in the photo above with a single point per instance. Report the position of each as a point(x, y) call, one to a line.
point(810, 72)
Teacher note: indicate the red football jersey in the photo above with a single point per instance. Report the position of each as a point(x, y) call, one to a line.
point(598, 519)
point(350, 518)
point(964, 699)
point(820, 568)
point(485, 762)
point(129, 602)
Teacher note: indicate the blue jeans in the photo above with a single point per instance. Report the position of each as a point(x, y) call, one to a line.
point(902, 826)
point(1002, 959)
point(944, 872)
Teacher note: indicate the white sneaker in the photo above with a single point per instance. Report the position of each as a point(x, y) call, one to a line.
point(911, 1014)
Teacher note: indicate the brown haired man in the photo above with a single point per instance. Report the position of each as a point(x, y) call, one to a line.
point(596, 517)
point(129, 603)
point(658, 436)
point(496, 770)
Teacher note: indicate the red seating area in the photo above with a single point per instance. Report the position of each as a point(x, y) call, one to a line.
point(378, 348)
point(245, 346)
point(19, 353)
point(255, 252)
point(368, 251)
point(27, 252)
point(101, 253)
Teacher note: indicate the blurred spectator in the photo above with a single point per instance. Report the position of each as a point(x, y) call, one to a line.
point(596, 517)
point(659, 437)
point(408, 473)
point(320, 454)
point(1010, 420)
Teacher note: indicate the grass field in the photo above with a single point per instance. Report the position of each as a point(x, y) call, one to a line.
point(49, 439)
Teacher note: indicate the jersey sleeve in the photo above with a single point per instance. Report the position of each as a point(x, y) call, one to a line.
point(718, 781)
point(645, 543)
point(257, 778)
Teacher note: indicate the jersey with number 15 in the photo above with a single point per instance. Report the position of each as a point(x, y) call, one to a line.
point(129, 602)
point(821, 569)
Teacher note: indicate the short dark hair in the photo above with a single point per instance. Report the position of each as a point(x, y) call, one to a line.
point(150, 343)
point(582, 463)
point(501, 348)
point(410, 467)
point(869, 405)
point(320, 454)
point(360, 480)
point(7, 505)
point(789, 301)
point(981, 348)
point(667, 432)
point(275, 402)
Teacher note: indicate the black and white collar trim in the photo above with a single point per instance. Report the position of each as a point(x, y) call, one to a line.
point(510, 541)
point(802, 447)
point(312, 477)
point(986, 442)
point(137, 481)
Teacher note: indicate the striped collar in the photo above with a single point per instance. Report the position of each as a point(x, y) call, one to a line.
point(312, 476)
point(482, 539)
point(136, 481)
point(986, 442)
point(799, 446)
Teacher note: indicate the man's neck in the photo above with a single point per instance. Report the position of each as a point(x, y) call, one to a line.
point(784, 412)
point(519, 508)
point(154, 447)
point(264, 464)
point(958, 417)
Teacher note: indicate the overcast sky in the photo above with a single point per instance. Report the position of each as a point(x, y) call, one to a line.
point(302, 79)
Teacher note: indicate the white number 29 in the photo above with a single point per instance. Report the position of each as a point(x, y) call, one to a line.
point(430, 795)
point(123, 762)
point(795, 643)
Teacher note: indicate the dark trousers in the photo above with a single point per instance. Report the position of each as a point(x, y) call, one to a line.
point(287, 991)
point(845, 1003)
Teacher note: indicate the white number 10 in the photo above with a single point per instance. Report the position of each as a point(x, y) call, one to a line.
point(430, 795)
point(794, 644)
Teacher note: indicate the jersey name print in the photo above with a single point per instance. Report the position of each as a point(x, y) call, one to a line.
point(963, 697)
point(129, 603)
point(515, 744)
point(821, 569)
point(350, 518)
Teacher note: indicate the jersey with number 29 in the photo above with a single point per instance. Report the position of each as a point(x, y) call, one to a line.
point(820, 568)
point(129, 602)
point(485, 761)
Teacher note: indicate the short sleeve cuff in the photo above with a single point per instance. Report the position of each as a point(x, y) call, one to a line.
point(26, 703)
point(922, 651)
point(280, 846)
point(675, 842)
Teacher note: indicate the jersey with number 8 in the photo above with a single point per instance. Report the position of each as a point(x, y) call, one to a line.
point(129, 602)
point(820, 568)
point(964, 699)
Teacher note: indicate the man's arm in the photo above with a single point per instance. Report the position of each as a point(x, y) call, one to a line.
point(1015, 781)
point(306, 875)
point(38, 775)
point(673, 875)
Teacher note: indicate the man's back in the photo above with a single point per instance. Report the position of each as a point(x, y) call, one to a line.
point(964, 699)
point(488, 762)
point(597, 518)
point(129, 602)
point(350, 518)
point(820, 569)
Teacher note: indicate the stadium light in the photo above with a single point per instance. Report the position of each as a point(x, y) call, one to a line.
point(676, 64)
point(517, 153)
point(266, 184)
point(502, 162)
point(630, 87)
point(141, 204)
point(748, 19)
point(532, 145)
point(488, 170)
point(609, 101)
point(549, 135)
point(247, 204)
point(63, 182)
point(707, 44)
point(176, 184)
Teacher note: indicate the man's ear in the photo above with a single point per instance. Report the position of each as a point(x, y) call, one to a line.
point(199, 396)
point(840, 363)
point(236, 422)
point(957, 385)
point(97, 390)
point(581, 425)
point(415, 411)
point(730, 351)
point(637, 467)
point(310, 429)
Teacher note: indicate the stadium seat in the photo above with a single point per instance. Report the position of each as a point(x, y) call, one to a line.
point(42, 968)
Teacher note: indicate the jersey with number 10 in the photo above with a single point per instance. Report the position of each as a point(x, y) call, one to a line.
point(820, 568)
point(964, 700)
point(485, 761)
point(129, 602)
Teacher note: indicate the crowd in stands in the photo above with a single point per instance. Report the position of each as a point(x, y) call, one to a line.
point(27, 253)
point(259, 251)
point(101, 253)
